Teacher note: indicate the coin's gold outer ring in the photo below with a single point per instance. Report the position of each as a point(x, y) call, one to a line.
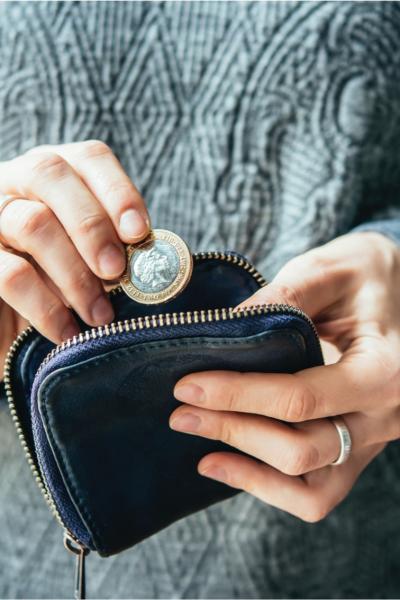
point(180, 282)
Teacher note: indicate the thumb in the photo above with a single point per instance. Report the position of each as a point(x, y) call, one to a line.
point(307, 282)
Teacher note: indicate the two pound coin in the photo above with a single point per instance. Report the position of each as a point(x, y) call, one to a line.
point(158, 268)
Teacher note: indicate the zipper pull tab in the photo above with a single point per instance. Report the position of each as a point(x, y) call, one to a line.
point(80, 553)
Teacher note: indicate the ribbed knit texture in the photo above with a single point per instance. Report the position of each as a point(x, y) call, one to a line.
point(266, 128)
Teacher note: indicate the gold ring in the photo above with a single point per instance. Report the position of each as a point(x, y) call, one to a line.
point(6, 199)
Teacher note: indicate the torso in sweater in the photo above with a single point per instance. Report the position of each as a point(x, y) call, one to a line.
point(265, 128)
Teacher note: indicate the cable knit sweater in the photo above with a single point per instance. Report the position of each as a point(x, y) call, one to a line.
point(266, 128)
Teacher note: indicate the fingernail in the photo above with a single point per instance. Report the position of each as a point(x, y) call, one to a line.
point(186, 422)
point(215, 472)
point(132, 224)
point(102, 311)
point(111, 261)
point(69, 332)
point(189, 392)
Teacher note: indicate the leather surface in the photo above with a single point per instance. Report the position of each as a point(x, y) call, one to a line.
point(214, 283)
point(96, 415)
point(128, 474)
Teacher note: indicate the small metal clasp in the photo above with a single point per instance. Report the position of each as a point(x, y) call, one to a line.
point(80, 552)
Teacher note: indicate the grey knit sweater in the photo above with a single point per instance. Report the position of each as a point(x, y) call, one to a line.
point(266, 128)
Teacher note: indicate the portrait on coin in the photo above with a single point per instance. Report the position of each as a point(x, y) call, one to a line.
point(155, 269)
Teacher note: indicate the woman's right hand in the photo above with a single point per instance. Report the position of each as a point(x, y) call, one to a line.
point(62, 235)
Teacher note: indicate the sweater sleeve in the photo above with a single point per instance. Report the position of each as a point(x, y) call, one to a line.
point(388, 227)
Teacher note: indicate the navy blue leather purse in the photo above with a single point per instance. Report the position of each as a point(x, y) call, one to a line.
point(92, 413)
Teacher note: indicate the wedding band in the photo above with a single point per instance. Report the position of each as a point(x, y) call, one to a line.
point(5, 200)
point(345, 440)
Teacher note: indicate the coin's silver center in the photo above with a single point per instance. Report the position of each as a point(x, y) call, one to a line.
point(153, 270)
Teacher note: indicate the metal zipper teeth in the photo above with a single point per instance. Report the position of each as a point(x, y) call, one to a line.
point(224, 256)
point(168, 319)
point(234, 259)
point(35, 471)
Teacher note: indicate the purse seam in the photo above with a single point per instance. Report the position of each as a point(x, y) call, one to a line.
point(69, 476)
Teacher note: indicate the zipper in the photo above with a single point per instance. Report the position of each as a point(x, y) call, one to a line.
point(129, 325)
point(148, 322)
point(11, 403)
point(170, 319)
point(71, 543)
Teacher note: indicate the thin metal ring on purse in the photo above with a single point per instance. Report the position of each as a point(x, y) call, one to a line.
point(345, 440)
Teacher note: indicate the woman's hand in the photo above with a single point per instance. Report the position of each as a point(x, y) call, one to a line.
point(351, 289)
point(63, 235)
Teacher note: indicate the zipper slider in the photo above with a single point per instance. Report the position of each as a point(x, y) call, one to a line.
point(80, 553)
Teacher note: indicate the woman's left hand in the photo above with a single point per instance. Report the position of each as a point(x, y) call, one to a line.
point(351, 289)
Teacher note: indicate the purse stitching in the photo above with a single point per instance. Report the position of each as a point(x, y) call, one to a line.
point(69, 476)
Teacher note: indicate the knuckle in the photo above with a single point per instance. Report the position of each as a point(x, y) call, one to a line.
point(313, 261)
point(300, 459)
point(33, 220)
point(389, 371)
point(249, 484)
point(14, 273)
point(290, 295)
point(316, 510)
point(120, 189)
point(226, 433)
point(225, 392)
point(388, 366)
point(90, 224)
point(50, 313)
point(82, 282)
point(93, 148)
point(299, 404)
point(391, 431)
point(229, 393)
point(319, 263)
point(48, 165)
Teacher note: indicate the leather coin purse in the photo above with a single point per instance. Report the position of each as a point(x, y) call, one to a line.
point(92, 413)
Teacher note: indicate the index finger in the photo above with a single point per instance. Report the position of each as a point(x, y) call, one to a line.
point(49, 178)
point(355, 383)
point(105, 177)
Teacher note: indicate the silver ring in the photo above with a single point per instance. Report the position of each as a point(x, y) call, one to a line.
point(345, 440)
